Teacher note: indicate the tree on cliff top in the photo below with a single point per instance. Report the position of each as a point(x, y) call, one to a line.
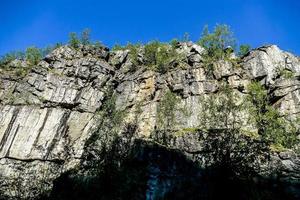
point(217, 41)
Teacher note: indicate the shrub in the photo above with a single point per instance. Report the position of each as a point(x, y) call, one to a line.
point(158, 56)
point(258, 96)
point(73, 40)
point(286, 73)
point(167, 110)
point(134, 50)
point(221, 111)
point(33, 55)
point(151, 50)
point(218, 45)
point(244, 49)
point(215, 42)
point(9, 57)
point(174, 43)
point(278, 129)
point(271, 125)
point(111, 112)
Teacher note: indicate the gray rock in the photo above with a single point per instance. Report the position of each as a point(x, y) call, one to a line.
point(49, 117)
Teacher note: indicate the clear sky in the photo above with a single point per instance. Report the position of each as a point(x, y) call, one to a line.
point(39, 22)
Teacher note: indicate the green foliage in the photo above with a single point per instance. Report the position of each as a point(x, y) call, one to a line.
point(220, 110)
point(286, 74)
point(73, 40)
point(111, 113)
point(111, 121)
point(9, 57)
point(174, 43)
point(85, 37)
point(183, 131)
point(167, 110)
point(151, 52)
point(33, 55)
point(117, 47)
point(278, 129)
point(258, 96)
point(158, 56)
point(134, 50)
point(271, 125)
point(21, 71)
point(244, 49)
point(215, 42)
point(217, 45)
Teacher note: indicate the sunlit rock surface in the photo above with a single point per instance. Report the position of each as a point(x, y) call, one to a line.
point(49, 116)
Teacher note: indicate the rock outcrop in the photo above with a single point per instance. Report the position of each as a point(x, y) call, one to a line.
point(51, 121)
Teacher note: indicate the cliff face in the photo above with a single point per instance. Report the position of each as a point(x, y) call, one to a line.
point(52, 120)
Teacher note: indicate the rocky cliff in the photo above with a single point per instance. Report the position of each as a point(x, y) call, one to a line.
point(82, 110)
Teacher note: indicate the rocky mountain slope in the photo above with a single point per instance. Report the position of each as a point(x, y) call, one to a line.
point(78, 107)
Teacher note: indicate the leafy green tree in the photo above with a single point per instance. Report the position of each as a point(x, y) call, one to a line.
point(134, 50)
point(174, 43)
point(73, 40)
point(244, 49)
point(285, 73)
point(221, 117)
point(218, 45)
point(85, 36)
point(258, 97)
point(5, 59)
point(33, 55)
point(272, 126)
point(221, 110)
point(163, 58)
point(151, 50)
point(217, 41)
point(167, 110)
point(158, 56)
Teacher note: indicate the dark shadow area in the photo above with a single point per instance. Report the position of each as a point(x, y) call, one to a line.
point(151, 171)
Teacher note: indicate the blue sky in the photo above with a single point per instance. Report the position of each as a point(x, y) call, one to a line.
point(256, 22)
